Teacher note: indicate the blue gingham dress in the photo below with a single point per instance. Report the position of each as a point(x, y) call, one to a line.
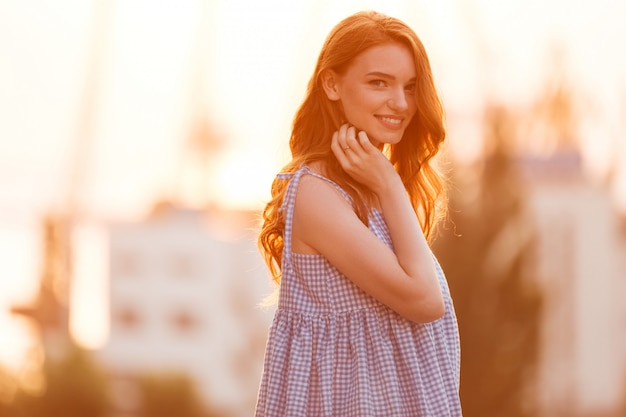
point(333, 350)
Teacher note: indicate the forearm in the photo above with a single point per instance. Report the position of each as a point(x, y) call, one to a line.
point(410, 245)
point(408, 282)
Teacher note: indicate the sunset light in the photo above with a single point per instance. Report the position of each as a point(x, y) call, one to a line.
point(107, 108)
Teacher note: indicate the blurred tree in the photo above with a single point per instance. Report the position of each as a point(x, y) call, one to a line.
point(486, 256)
point(556, 113)
point(169, 395)
point(8, 389)
point(74, 387)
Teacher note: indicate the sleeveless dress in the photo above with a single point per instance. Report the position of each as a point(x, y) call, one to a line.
point(334, 350)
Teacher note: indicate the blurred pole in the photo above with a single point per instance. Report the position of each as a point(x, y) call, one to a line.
point(50, 310)
point(202, 142)
point(88, 110)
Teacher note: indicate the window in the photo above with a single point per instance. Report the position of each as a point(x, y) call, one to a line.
point(182, 266)
point(184, 321)
point(127, 318)
point(125, 264)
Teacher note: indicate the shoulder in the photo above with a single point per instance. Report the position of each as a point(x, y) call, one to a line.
point(323, 217)
point(321, 203)
point(317, 193)
point(315, 189)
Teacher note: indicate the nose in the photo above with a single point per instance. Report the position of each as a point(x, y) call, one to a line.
point(398, 100)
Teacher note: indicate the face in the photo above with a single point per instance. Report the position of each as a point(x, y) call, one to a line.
point(377, 91)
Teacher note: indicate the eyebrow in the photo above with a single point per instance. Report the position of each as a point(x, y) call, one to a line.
point(385, 75)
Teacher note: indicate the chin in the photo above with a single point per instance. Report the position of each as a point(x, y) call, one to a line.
point(389, 139)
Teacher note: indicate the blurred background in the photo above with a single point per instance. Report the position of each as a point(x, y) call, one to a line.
point(138, 142)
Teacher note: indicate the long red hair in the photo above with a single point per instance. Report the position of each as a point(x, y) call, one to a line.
point(318, 118)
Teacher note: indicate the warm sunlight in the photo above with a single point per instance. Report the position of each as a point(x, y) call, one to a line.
point(18, 285)
point(243, 179)
point(89, 321)
point(106, 113)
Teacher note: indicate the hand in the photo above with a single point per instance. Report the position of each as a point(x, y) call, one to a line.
point(361, 159)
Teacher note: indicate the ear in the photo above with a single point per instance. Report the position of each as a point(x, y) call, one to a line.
point(329, 80)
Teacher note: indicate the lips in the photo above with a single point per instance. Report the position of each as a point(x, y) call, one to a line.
point(390, 121)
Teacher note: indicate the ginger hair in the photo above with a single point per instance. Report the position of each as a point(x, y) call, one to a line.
point(318, 118)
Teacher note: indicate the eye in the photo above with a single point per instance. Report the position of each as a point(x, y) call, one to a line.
point(378, 83)
point(410, 88)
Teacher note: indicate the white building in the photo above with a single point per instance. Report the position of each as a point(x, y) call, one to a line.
point(184, 299)
point(582, 370)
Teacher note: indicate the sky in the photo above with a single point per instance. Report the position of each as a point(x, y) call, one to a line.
point(106, 113)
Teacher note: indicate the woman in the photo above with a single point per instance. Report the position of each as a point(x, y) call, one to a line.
point(365, 324)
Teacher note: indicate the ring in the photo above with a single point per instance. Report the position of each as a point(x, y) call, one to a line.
point(346, 148)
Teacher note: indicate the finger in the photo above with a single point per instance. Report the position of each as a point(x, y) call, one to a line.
point(365, 142)
point(342, 137)
point(337, 148)
point(351, 140)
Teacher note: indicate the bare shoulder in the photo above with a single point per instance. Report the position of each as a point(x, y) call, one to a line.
point(320, 212)
point(317, 195)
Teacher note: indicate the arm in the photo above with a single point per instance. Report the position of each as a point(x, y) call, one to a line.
point(406, 281)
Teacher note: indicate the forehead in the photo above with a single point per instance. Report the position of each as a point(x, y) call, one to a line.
point(394, 59)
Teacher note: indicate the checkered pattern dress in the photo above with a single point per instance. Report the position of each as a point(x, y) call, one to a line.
point(333, 350)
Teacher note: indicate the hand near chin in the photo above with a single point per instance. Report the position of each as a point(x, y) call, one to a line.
point(361, 159)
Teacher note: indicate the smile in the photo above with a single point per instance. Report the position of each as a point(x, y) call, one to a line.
point(390, 121)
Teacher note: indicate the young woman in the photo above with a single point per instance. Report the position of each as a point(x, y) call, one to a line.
point(364, 325)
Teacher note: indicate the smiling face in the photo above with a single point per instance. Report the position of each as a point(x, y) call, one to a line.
point(377, 91)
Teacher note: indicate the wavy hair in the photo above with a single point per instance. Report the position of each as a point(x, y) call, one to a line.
point(318, 118)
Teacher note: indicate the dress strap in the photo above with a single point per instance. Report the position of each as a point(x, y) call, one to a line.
point(289, 202)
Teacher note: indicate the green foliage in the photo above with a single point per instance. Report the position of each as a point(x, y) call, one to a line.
point(486, 257)
point(8, 390)
point(168, 395)
point(74, 387)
